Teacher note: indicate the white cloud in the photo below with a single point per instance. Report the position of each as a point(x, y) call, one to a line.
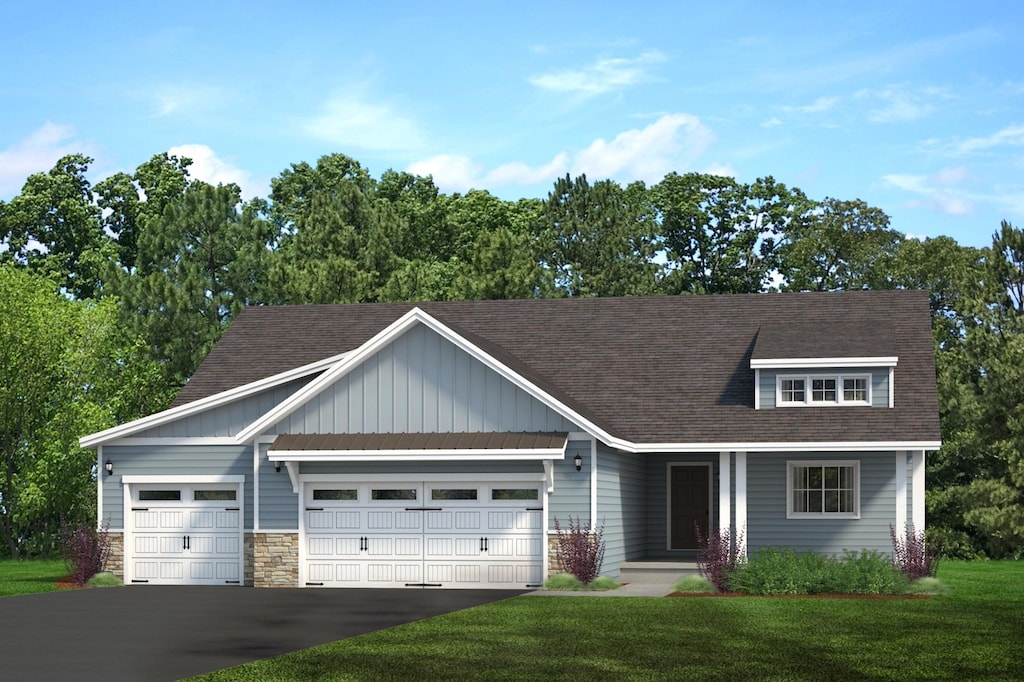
point(602, 76)
point(723, 170)
point(771, 123)
point(212, 169)
point(451, 173)
point(186, 99)
point(36, 153)
point(895, 103)
point(348, 121)
point(939, 191)
point(1011, 136)
point(673, 142)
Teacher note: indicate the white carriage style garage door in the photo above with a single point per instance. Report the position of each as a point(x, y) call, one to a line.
point(185, 534)
point(423, 534)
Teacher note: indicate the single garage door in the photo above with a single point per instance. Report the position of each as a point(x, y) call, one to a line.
point(423, 534)
point(185, 534)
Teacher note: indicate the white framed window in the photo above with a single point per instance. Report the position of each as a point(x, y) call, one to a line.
point(822, 489)
point(805, 390)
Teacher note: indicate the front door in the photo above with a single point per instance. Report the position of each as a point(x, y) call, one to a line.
point(689, 504)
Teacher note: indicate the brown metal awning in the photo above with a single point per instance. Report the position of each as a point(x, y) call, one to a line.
point(352, 447)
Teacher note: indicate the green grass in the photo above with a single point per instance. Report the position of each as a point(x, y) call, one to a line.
point(976, 632)
point(27, 577)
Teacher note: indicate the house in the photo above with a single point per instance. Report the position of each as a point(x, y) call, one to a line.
point(436, 444)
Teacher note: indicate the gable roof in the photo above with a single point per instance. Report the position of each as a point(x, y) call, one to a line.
point(653, 370)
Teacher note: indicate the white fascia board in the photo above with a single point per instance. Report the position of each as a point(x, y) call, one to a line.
point(382, 339)
point(810, 446)
point(822, 363)
point(227, 478)
point(414, 455)
point(203, 404)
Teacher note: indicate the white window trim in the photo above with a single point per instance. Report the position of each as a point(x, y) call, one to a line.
point(808, 400)
point(792, 464)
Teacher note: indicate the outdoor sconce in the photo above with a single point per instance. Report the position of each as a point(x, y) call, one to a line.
point(277, 467)
point(578, 461)
point(109, 466)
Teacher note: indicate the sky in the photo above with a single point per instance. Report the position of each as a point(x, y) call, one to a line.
point(914, 107)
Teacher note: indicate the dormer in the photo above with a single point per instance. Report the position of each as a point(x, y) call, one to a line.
point(805, 365)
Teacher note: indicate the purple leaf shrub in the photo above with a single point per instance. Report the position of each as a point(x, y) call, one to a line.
point(85, 550)
point(912, 555)
point(580, 550)
point(717, 556)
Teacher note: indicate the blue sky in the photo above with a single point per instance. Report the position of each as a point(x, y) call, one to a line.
point(914, 107)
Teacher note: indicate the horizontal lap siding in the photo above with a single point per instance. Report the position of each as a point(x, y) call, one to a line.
point(178, 460)
point(422, 383)
point(767, 524)
point(657, 496)
point(572, 488)
point(279, 506)
point(621, 507)
point(226, 420)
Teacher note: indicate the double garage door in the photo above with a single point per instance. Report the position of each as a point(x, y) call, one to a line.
point(422, 534)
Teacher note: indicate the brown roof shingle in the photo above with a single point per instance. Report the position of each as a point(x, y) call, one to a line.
point(650, 370)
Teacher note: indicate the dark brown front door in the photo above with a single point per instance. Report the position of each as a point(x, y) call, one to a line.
point(689, 505)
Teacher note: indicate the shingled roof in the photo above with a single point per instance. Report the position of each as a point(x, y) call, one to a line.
point(666, 369)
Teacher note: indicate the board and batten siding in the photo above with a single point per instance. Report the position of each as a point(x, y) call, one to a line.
point(226, 420)
point(621, 507)
point(879, 383)
point(572, 488)
point(657, 502)
point(422, 383)
point(767, 524)
point(176, 460)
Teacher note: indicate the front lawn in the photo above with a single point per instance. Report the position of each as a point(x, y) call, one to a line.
point(977, 632)
point(26, 577)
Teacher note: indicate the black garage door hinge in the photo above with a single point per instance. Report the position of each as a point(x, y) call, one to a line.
point(139, 581)
point(314, 584)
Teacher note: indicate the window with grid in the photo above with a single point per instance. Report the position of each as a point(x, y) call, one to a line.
point(823, 489)
point(830, 389)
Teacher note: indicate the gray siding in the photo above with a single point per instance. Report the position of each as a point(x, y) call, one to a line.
point(226, 420)
point(879, 383)
point(422, 383)
point(572, 488)
point(279, 506)
point(767, 524)
point(178, 460)
point(657, 497)
point(621, 507)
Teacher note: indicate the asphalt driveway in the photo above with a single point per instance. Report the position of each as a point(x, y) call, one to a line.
point(166, 633)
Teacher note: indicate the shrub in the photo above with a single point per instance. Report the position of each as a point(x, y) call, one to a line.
point(927, 585)
point(563, 582)
point(104, 580)
point(717, 557)
point(85, 550)
point(603, 583)
point(580, 550)
point(913, 555)
point(696, 584)
point(774, 571)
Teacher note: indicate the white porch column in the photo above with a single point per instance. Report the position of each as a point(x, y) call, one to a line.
point(917, 493)
point(741, 502)
point(724, 485)
point(901, 494)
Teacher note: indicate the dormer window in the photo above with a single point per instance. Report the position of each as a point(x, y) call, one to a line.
point(823, 389)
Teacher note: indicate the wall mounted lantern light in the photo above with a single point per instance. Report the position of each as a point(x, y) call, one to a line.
point(578, 461)
point(109, 466)
point(277, 467)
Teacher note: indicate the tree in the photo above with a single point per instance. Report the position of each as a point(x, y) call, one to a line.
point(599, 239)
point(66, 368)
point(840, 246)
point(197, 265)
point(53, 227)
point(719, 235)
